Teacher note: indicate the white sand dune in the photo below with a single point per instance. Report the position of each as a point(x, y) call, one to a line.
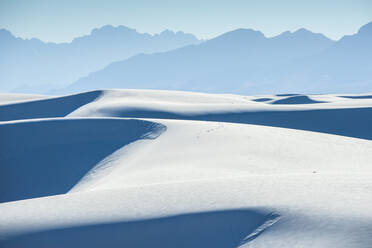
point(6, 98)
point(139, 168)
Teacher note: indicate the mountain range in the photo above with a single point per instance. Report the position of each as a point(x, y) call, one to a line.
point(29, 65)
point(243, 61)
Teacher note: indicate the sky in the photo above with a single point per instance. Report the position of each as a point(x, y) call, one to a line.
point(63, 20)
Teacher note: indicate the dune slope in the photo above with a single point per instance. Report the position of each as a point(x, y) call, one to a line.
point(49, 156)
point(137, 168)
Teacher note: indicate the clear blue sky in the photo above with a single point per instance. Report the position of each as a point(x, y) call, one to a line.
point(62, 20)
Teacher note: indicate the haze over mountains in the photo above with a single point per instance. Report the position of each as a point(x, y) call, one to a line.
point(242, 61)
point(35, 66)
point(245, 61)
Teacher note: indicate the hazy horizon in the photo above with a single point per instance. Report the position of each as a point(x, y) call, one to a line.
point(56, 21)
point(179, 31)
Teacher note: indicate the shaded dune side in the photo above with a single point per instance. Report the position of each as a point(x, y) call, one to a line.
point(47, 108)
point(358, 97)
point(218, 229)
point(264, 99)
point(351, 122)
point(296, 100)
point(47, 157)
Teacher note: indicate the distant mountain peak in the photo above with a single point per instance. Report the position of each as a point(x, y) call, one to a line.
point(241, 34)
point(109, 29)
point(364, 34)
point(304, 34)
point(167, 32)
point(366, 29)
point(285, 33)
point(303, 31)
point(4, 33)
point(247, 31)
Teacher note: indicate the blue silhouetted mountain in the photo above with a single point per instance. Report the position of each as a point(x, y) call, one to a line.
point(245, 61)
point(237, 61)
point(345, 67)
point(29, 64)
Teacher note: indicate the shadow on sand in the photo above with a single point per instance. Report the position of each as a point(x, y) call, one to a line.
point(358, 97)
point(296, 100)
point(53, 107)
point(218, 229)
point(351, 122)
point(49, 157)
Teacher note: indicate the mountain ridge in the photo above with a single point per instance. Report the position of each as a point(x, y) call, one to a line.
point(217, 65)
point(95, 31)
point(242, 61)
point(32, 63)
